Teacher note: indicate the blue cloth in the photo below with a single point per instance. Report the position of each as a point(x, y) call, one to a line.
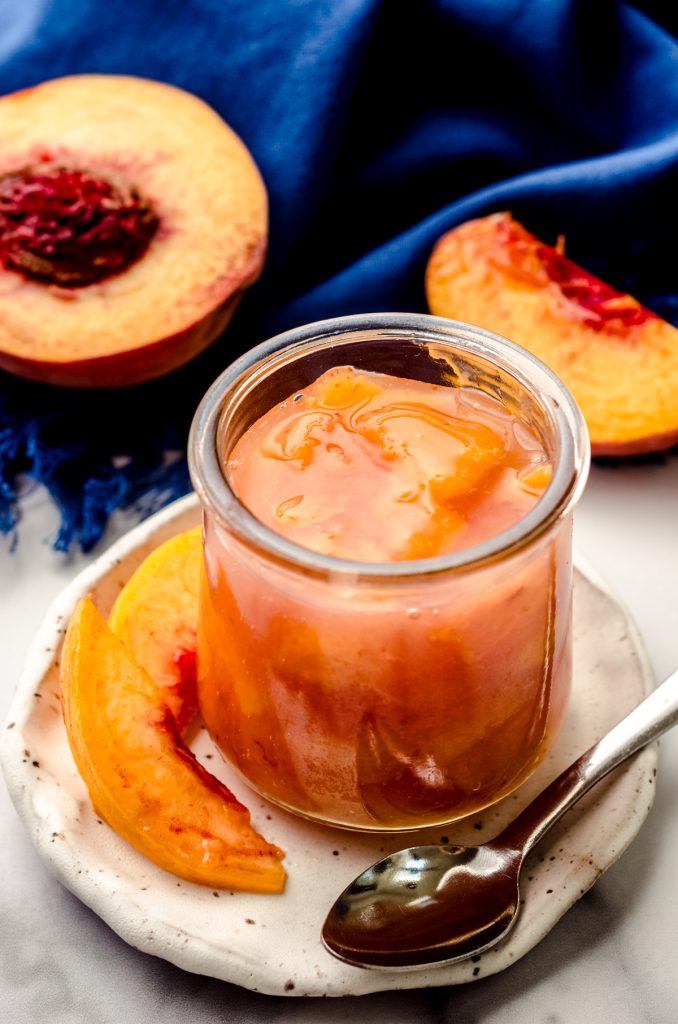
point(377, 126)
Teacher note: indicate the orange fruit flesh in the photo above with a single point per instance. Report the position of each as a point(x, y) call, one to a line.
point(142, 779)
point(378, 468)
point(619, 360)
point(156, 617)
point(211, 203)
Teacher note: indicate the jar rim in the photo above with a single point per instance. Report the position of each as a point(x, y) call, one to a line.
point(570, 472)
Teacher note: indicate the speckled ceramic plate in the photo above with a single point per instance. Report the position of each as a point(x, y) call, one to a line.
point(271, 943)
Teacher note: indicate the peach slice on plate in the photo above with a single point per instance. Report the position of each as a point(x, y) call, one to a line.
point(132, 218)
point(142, 779)
point(619, 360)
point(156, 617)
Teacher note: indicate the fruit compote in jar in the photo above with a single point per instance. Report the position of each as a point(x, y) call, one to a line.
point(385, 613)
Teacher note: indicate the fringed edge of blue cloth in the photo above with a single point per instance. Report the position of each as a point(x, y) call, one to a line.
point(86, 487)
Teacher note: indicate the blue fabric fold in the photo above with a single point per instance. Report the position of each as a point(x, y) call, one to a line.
point(377, 127)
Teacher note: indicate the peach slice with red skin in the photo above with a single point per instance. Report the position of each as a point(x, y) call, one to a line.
point(132, 219)
point(142, 779)
point(619, 360)
point(156, 617)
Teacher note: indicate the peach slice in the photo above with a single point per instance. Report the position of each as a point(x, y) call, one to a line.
point(132, 218)
point(619, 360)
point(141, 778)
point(156, 617)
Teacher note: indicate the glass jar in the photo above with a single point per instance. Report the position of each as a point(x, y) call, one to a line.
point(386, 695)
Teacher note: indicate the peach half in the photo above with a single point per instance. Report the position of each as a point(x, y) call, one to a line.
point(156, 617)
point(619, 360)
point(132, 218)
point(142, 779)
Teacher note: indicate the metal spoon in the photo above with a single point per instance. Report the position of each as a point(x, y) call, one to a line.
point(432, 905)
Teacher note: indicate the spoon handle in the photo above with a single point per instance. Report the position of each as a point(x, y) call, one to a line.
point(645, 723)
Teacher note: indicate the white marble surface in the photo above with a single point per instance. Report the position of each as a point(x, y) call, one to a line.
point(611, 959)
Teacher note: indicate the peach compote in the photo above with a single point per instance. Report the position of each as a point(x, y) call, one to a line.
point(392, 701)
point(377, 468)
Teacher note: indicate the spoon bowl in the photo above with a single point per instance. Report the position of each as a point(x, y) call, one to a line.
point(432, 905)
point(425, 904)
